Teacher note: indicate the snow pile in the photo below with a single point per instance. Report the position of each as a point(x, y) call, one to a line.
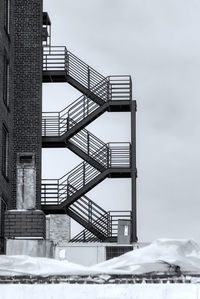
point(26, 265)
point(159, 256)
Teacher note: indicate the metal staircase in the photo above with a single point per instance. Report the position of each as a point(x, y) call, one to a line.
point(61, 193)
point(67, 129)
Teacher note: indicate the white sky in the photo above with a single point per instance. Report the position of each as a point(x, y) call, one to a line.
point(158, 43)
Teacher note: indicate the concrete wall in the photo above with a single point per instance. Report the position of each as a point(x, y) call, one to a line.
point(88, 254)
point(80, 253)
point(30, 247)
point(60, 228)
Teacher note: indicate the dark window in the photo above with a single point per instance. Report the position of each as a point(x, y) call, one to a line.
point(114, 251)
point(3, 208)
point(26, 159)
point(6, 78)
point(7, 15)
point(5, 152)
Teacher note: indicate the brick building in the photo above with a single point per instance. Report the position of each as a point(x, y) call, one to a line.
point(26, 60)
point(20, 106)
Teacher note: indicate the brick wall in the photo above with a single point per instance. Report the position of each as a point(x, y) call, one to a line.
point(25, 224)
point(27, 85)
point(6, 112)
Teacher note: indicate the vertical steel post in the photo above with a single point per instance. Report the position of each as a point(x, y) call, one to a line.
point(83, 174)
point(88, 77)
point(88, 143)
point(133, 172)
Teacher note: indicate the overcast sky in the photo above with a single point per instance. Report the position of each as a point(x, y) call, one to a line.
point(157, 42)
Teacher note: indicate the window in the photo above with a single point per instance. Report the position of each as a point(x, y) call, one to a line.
point(5, 152)
point(7, 15)
point(3, 208)
point(6, 85)
point(114, 251)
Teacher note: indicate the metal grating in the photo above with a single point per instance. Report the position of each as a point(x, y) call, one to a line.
point(114, 251)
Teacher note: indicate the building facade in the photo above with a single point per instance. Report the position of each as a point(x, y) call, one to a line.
point(27, 59)
point(20, 111)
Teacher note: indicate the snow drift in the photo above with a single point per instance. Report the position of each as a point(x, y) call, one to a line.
point(26, 265)
point(160, 256)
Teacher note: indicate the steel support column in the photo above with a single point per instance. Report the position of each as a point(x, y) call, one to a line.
point(133, 172)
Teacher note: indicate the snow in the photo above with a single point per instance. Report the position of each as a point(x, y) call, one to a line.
point(159, 256)
point(26, 265)
point(148, 291)
point(156, 257)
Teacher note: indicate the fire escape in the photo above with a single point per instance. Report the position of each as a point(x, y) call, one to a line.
point(66, 129)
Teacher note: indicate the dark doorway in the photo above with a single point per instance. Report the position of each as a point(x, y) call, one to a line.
point(3, 208)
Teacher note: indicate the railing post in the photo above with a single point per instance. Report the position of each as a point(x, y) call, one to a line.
point(46, 63)
point(130, 88)
point(45, 193)
point(59, 124)
point(88, 143)
point(58, 195)
point(87, 106)
point(109, 224)
point(67, 190)
point(90, 212)
point(66, 61)
point(108, 157)
point(68, 122)
point(84, 107)
point(88, 77)
point(133, 172)
point(84, 238)
point(109, 94)
point(83, 174)
point(45, 124)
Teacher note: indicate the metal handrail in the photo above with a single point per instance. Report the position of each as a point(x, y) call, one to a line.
point(57, 190)
point(84, 106)
point(57, 123)
point(113, 217)
point(107, 88)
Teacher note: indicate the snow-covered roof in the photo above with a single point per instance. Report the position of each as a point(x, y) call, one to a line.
point(160, 256)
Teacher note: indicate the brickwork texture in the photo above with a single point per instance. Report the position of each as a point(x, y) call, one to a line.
point(25, 224)
point(6, 111)
point(28, 85)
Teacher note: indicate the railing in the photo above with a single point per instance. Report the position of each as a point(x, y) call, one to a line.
point(85, 236)
point(59, 58)
point(57, 123)
point(111, 155)
point(119, 154)
point(54, 58)
point(92, 146)
point(55, 191)
point(87, 209)
point(114, 217)
point(109, 88)
point(93, 214)
point(120, 88)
